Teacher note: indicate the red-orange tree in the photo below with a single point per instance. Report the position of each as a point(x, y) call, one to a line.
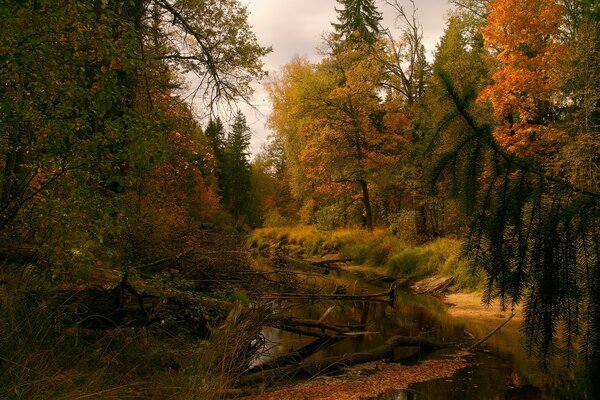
point(527, 88)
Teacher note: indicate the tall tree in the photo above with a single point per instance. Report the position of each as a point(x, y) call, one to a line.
point(534, 230)
point(527, 87)
point(236, 189)
point(358, 22)
point(215, 133)
point(76, 76)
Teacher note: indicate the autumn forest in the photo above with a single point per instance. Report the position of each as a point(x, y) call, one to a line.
point(418, 224)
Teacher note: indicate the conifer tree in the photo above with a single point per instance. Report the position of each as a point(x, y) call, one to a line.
point(358, 22)
point(215, 133)
point(236, 169)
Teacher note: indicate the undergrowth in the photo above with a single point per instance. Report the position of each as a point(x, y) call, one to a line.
point(44, 355)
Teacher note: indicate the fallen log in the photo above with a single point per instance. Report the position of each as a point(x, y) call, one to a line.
point(336, 363)
point(296, 356)
point(390, 295)
point(157, 265)
point(279, 321)
point(294, 263)
point(326, 262)
point(24, 252)
point(433, 286)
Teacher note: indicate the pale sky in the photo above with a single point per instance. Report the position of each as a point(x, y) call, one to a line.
point(295, 27)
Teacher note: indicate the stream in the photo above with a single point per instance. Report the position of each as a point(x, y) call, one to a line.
point(501, 369)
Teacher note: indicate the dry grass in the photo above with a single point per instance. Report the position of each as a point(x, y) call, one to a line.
point(380, 249)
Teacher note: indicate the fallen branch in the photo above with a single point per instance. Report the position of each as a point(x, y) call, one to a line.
point(163, 262)
point(391, 294)
point(489, 335)
point(296, 356)
point(336, 363)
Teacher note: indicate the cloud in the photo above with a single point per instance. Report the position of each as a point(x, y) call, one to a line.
point(295, 27)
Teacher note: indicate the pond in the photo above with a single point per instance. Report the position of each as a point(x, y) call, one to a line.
point(501, 370)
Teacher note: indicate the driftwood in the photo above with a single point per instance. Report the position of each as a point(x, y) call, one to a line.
point(296, 356)
point(433, 286)
point(157, 265)
point(388, 296)
point(286, 261)
point(489, 335)
point(328, 262)
point(314, 328)
point(336, 363)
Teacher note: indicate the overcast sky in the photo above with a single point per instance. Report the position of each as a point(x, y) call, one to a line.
point(295, 27)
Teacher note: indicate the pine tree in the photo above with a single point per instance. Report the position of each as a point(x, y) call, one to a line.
point(236, 169)
point(215, 132)
point(358, 22)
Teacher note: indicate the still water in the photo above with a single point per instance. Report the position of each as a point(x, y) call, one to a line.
point(502, 370)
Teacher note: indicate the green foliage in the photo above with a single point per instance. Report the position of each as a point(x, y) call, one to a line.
point(535, 235)
point(358, 22)
point(331, 217)
point(402, 224)
point(379, 249)
point(236, 181)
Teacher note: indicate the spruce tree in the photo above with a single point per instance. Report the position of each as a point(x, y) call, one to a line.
point(236, 169)
point(358, 22)
point(215, 132)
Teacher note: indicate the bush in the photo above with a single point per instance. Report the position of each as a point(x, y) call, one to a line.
point(330, 217)
point(403, 225)
point(413, 261)
point(274, 218)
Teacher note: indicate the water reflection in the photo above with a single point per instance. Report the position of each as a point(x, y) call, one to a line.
point(504, 371)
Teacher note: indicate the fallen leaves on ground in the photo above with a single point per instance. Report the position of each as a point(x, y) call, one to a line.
point(366, 381)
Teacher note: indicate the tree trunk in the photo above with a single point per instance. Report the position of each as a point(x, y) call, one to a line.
point(368, 214)
point(421, 222)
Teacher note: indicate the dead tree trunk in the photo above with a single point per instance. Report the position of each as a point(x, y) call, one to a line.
point(366, 204)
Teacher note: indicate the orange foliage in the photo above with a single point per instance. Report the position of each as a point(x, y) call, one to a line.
point(526, 35)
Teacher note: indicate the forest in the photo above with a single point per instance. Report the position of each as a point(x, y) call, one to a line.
point(417, 225)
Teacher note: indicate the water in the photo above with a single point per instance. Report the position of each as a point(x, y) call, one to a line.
point(502, 371)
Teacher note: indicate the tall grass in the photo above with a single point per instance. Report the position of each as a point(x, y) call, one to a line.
point(43, 355)
point(379, 249)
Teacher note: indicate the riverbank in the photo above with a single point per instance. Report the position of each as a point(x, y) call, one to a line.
point(377, 253)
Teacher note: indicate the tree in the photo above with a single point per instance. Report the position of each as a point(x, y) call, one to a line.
point(527, 87)
point(533, 231)
point(407, 75)
point(215, 132)
point(358, 22)
point(236, 169)
point(77, 81)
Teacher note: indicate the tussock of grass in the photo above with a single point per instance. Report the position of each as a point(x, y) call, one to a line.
point(377, 249)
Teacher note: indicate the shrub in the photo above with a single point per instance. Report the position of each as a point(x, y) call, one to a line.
point(330, 217)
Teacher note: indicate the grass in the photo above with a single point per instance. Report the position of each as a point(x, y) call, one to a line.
point(379, 249)
point(44, 355)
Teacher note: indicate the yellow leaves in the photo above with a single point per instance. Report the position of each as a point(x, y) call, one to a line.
point(116, 64)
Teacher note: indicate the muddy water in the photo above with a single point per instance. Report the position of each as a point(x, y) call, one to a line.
point(502, 371)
